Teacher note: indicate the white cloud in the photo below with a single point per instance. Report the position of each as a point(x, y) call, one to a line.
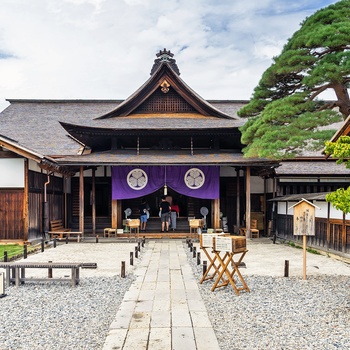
point(105, 48)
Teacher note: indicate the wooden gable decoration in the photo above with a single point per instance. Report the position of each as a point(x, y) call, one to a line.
point(304, 218)
point(165, 92)
point(164, 102)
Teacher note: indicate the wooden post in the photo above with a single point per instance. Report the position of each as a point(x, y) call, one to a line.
point(49, 271)
point(204, 267)
point(215, 203)
point(286, 268)
point(328, 237)
point(81, 199)
point(123, 270)
point(93, 201)
point(343, 235)
point(115, 209)
point(248, 207)
point(198, 258)
point(238, 202)
point(265, 208)
point(65, 208)
point(131, 258)
point(25, 251)
point(304, 257)
point(25, 202)
point(194, 252)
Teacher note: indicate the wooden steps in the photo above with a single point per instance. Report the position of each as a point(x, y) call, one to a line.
point(160, 235)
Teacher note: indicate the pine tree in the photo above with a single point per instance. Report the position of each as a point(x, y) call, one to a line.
point(286, 113)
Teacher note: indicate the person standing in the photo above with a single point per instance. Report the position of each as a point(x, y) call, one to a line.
point(144, 214)
point(164, 211)
point(175, 213)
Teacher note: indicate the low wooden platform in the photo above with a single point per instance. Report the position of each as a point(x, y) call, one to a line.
point(159, 235)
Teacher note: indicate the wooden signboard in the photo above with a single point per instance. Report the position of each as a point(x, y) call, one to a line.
point(304, 219)
point(206, 240)
point(232, 244)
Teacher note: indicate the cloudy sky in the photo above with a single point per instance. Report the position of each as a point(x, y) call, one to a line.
point(104, 49)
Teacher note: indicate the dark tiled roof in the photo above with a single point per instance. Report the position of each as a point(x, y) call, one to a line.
point(35, 123)
point(128, 157)
point(312, 167)
point(321, 196)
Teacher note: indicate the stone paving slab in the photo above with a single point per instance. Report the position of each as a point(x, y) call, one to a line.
point(163, 308)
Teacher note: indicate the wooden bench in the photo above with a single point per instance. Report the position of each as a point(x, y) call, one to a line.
point(59, 231)
point(18, 271)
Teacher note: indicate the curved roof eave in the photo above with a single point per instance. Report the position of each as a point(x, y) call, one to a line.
point(165, 71)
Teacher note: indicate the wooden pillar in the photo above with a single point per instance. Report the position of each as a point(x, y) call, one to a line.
point(248, 208)
point(328, 232)
point(285, 221)
point(115, 213)
point(238, 202)
point(343, 235)
point(265, 207)
point(215, 207)
point(93, 200)
point(81, 199)
point(65, 213)
point(25, 201)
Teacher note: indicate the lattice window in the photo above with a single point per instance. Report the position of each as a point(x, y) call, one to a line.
point(160, 102)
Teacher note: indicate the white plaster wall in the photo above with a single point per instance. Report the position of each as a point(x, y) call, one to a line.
point(256, 184)
point(34, 166)
point(283, 206)
point(320, 211)
point(12, 172)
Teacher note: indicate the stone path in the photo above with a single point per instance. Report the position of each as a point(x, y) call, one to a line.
point(163, 308)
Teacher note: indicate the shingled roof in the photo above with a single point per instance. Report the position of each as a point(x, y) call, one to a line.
point(165, 92)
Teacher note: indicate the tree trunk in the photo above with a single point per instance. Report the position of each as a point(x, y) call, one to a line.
point(343, 102)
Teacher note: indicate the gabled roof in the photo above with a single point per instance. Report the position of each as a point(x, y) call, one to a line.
point(166, 86)
point(344, 130)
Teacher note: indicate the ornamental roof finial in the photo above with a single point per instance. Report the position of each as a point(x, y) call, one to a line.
point(165, 56)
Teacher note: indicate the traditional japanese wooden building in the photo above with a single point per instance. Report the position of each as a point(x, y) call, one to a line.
point(86, 161)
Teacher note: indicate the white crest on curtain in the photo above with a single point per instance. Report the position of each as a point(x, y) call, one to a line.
point(194, 178)
point(137, 179)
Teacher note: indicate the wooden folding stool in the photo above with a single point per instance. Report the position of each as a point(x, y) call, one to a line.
point(206, 241)
point(229, 247)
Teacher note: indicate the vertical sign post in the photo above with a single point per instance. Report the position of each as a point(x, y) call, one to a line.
point(304, 224)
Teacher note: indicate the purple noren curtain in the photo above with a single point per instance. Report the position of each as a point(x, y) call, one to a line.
point(197, 181)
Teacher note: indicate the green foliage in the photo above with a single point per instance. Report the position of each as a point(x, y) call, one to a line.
point(339, 150)
point(11, 249)
point(340, 199)
point(285, 114)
